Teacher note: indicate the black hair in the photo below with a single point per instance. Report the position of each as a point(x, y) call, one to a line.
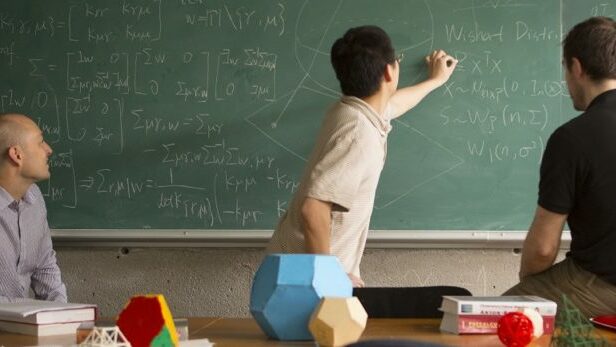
point(360, 58)
point(593, 43)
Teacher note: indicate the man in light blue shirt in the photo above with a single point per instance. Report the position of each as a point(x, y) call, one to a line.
point(27, 259)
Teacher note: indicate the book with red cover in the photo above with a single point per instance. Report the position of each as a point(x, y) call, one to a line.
point(605, 321)
point(482, 323)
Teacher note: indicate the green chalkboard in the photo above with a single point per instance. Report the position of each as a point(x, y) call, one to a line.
point(195, 114)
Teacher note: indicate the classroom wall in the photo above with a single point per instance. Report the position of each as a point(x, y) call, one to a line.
point(216, 282)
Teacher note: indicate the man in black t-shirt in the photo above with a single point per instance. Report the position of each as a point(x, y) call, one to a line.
point(578, 183)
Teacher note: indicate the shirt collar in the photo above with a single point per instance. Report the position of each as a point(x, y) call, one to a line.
point(6, 199)
point(30, 197)
point(605, 97)
point(381, 122)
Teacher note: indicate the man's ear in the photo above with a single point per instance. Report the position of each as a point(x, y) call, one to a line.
point(388, 75)
point(576, 68)
point(15, 155)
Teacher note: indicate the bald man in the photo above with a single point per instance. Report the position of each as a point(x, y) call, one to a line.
point(27, 259)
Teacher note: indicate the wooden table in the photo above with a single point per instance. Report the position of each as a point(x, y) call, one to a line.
point(238, 332)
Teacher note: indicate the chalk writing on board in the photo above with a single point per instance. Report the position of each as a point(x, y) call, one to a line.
point(202, 114)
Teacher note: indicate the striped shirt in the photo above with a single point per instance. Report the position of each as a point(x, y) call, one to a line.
point(344, 169)
point(27, 259)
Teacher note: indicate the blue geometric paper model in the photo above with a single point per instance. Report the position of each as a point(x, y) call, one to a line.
point(288, 287)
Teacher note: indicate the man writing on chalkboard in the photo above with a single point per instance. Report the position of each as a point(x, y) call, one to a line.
point(27, 260)
point(578, 183)
point(330, 212)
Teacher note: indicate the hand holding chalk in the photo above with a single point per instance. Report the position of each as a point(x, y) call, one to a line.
point(441, 65)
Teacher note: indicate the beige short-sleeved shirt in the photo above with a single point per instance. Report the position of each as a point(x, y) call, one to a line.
point(344, 169)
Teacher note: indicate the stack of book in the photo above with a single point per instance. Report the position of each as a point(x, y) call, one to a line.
point(44, 318)
point(480, 314)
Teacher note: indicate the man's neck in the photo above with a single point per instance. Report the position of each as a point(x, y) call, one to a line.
point(378, 102)
point(594, 89)
point(15, 188)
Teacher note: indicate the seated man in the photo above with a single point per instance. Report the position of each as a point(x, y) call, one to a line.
point(578, 183)
point(27, 260)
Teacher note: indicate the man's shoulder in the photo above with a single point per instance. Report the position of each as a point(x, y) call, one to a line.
point(346, 105)
point(343, 117)
point(571, 129)
point(350, 112)
point(579, 130)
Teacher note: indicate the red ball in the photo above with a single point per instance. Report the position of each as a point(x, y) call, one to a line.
point(515, 329)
